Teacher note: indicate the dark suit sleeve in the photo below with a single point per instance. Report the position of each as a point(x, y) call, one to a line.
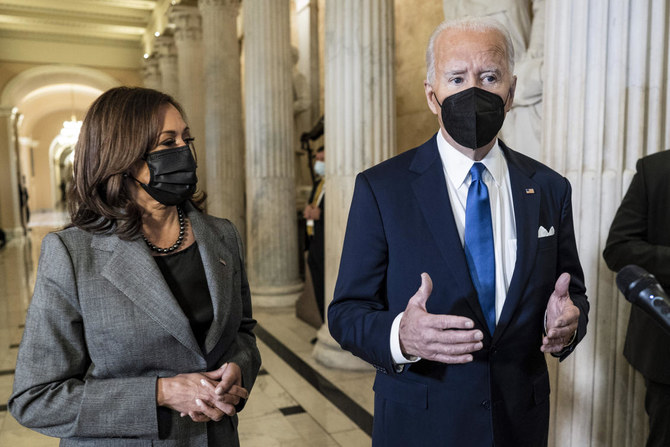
point(568, 261)
point(50, 393)
point(358, 317)
point(627, 242)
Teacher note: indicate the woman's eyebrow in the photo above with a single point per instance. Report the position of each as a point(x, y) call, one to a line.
point(174, 132)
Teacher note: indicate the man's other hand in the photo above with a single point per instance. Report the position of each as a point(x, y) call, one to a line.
point(562, 317)
point(442, 338)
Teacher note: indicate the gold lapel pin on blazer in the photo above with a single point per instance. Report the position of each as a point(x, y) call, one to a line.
point(222, 261)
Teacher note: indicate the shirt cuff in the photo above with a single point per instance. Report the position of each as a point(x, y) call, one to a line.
point(396, 352)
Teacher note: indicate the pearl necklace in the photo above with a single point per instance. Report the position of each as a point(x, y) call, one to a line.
point(180, 239)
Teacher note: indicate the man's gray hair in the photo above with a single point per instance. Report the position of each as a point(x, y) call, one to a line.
point(473, 24)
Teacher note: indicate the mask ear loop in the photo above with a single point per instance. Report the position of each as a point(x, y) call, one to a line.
point(437, 100)
point(126, 175)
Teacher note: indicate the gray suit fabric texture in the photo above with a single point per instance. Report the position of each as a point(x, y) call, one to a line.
point(103, 325)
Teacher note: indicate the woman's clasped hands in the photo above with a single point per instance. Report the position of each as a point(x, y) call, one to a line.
point(204, 396)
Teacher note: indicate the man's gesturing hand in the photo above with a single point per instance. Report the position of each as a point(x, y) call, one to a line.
point(562, 317)
point(442, 338)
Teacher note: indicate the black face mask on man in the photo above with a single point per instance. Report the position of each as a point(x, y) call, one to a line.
point(173, 177)
point(472, 117)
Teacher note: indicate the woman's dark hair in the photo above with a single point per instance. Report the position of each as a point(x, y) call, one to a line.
point(120, 127)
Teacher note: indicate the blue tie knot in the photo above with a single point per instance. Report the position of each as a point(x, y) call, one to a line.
point(476, 171)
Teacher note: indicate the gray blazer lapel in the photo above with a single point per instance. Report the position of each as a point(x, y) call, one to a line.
point(219, 265)
point(132, 270)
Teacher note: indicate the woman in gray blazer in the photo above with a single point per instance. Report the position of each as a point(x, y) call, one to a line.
point(140, 329)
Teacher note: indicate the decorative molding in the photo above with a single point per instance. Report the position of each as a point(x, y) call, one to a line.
point(69, 27)
point(135, 19)
point(76, 39)
point(234, 4)
point(165, 46)
point(111, 22)
point(143, 5)
point(229, 7)
point(188, 23)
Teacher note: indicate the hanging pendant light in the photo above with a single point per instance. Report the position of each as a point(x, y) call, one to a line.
point(69, 134)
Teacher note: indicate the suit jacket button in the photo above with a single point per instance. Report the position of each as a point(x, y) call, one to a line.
point(486, 404)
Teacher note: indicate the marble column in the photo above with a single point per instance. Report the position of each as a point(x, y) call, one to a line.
point(188, 39)
point(167, 64)
point(10, 214)
point(606, 102)
point(224, 129)
point(271, 212)
point(307, 28)
point(360, 125)
point(151, 73)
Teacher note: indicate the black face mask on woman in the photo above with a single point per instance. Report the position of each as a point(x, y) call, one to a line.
point(472, 117)
point(173, 176)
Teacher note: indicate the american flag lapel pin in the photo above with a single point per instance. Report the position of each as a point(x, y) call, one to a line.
point(530, 191)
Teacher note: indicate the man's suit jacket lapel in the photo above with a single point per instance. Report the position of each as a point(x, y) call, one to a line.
point(219, 264)
point(526, 196)
point(131, 269)
point(431, 194)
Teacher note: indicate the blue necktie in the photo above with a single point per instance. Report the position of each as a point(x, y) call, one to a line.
point(479, 250)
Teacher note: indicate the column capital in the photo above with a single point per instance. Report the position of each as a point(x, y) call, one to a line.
point(151, 65)
point(188, 22)
point(231, 6)
point(165, 46)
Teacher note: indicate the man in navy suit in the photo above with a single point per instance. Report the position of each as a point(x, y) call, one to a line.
point(486, 235)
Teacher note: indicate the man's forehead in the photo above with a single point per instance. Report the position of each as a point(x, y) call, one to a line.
point(467, 44)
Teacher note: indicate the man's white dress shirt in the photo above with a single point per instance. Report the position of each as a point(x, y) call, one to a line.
point(496, 177)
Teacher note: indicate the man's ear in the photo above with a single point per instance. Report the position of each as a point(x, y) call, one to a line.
point(430, 98)
point(510, 99)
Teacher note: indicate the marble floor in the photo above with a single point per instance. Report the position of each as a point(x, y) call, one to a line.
point(295, 401)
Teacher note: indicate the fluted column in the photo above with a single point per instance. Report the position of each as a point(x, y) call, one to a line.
point(224, 129)
point(151, 73)
point(167, 64)
point(271, 213)
point(360, 125)
point(10, 214)
point(606, 102)
point(188, 38)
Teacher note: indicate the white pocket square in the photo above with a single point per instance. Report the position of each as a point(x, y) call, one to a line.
point(542, 232)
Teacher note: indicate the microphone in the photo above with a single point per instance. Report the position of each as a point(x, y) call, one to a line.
point(643, 290)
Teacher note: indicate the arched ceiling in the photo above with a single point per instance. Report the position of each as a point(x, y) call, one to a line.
point(71, 98)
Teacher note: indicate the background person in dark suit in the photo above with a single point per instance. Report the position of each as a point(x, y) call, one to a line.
point(640, 234)
point(314, 214)
point(140, 329)
point(461, 360)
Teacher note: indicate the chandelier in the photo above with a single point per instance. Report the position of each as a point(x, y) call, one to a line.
point(69, 134)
